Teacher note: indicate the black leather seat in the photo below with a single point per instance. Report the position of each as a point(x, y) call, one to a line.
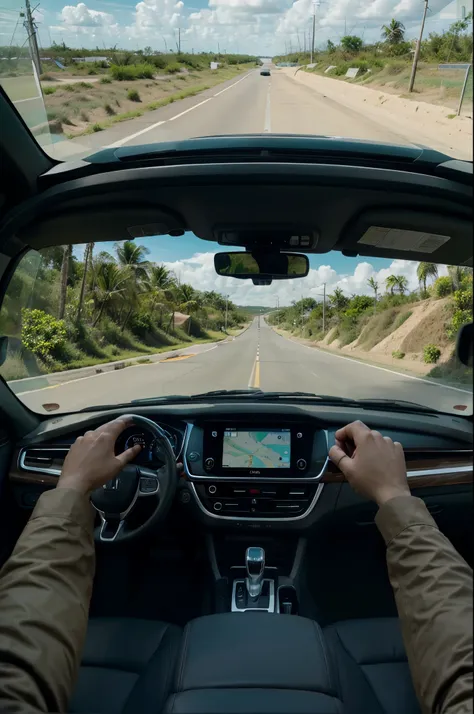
point(371, 665)
point(127, 666)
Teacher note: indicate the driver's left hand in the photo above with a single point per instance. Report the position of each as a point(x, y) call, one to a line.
point(92, 461)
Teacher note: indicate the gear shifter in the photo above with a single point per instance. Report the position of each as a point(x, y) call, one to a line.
point(255, 565)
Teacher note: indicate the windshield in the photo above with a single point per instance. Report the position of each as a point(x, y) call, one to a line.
point(103, 323)
point(86, 76)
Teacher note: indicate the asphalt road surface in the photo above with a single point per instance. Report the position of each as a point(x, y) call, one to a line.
point(259, 357)
point(244, 105)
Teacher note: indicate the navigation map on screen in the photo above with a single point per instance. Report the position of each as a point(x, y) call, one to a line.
point(256, 449)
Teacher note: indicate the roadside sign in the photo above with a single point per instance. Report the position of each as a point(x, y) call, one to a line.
point(467, 69)
point(352, 72)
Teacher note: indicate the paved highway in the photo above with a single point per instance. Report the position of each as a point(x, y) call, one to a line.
point(244, 105)
point(259, 357)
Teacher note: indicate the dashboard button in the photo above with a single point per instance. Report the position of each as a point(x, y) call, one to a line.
point(299, 435)
point(185, 496)
point(212, 489)
point(194, 456)
point(209, 464)
point(301, 464)
point(217, 506)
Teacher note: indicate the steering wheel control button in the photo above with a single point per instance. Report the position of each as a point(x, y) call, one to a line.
point(148, 485)
point(217, 506)
point(214, 434)
point(212, 489)
point(185, 497)
point(301, 464)
point(209, 463)
point(299, 435)
point(194, 456)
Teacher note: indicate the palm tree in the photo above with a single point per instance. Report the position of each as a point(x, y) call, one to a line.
point(110, 283)
point(67, 255)
point(190, 300)
point(425, 271)
point(394, 32)
point(87, 261)
point(372, 283)
point(402, 284)
point(133, 256)
point(338, 300)
point(159, 285)
point(457, 273)
point(391, 283)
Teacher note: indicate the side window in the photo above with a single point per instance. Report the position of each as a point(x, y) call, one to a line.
point(29, 315)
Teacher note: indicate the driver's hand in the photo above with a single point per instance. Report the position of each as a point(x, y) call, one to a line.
point(91, 461)
point(373, 464)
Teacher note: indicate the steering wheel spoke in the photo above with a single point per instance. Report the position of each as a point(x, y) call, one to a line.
point(149, 484)
point(110, 529)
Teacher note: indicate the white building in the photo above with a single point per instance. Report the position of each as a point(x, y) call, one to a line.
point(456, 10)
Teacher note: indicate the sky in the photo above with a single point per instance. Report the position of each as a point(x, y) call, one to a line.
point(192, 261)
point(257, 27)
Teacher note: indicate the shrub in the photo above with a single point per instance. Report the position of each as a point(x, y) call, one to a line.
point(47, 78)
point(41, 333)
point(49, 90)
point(431, 354)
point(83, 116)
point(109, 110)
point(133, 95)
point(463, 299)
point(105, 80)
point(96, 127)
point(133, 71)
point(398, 354)
point(442, 286)
point(172, 68)
point(84, 85)
point(460, 318)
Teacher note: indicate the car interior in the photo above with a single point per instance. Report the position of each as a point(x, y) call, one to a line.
point(220, 589)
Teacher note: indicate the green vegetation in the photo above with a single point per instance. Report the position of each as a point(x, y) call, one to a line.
point(431, 354)
point(388, 62)
point(100, 308)
point(131, 72)
point(369, 319)
point(133, 95)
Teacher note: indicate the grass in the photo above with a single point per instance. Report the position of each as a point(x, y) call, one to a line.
point(109, 110)
point(133, 71)
point(49, 90)
point(106, 80)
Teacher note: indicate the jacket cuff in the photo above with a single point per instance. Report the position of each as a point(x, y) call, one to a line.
point(400, 513)
point(67, 504)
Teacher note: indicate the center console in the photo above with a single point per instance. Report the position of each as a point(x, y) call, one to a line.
point(240, 472)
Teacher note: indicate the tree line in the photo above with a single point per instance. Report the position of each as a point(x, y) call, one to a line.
point(106, 304)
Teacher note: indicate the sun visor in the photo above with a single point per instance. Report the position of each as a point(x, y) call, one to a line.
point(409, 235)
point(104, 223)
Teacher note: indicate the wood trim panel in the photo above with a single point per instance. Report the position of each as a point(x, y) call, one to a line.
point(425, 461)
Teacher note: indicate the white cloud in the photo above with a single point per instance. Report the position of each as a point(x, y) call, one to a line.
point(200, 273)
point(81, 16)
point(253, 26)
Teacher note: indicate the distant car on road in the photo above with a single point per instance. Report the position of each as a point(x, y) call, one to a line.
point(264, 72)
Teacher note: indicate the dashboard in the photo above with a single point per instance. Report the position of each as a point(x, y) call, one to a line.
point(256, 466)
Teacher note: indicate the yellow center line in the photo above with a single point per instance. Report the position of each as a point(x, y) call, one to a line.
point(256, 378)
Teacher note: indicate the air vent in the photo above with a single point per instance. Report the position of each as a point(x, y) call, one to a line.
point(48, 460)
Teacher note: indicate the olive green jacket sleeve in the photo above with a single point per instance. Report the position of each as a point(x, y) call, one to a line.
point(433, 591)
point(45, 591)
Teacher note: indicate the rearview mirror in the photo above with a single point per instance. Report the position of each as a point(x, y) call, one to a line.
point(464, 346)
point(261, 266)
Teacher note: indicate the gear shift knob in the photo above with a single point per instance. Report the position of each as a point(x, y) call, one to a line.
point(255, 565)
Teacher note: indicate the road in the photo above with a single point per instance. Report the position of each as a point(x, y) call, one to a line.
point(250, 104)
point(259, 357)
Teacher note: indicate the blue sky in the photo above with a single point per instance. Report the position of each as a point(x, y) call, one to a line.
point(192, 261)
point(253, 26)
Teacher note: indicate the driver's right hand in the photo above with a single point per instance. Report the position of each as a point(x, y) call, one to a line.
point(92, 461)
point(373, 464)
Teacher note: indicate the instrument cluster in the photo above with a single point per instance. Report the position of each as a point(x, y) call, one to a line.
point(151, 454)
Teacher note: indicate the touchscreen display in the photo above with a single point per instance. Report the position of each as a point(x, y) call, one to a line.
point(256, 449)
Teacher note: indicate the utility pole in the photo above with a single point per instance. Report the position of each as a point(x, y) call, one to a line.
point(31, 30)
point(324, 306)
point(314, 30)
point(418, 48)
point(226, 312)
point(179, 40)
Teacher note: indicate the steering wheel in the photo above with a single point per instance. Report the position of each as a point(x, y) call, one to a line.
point(115, 500)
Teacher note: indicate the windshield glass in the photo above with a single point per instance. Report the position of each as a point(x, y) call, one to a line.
point(104, 323)
point(108, 74)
